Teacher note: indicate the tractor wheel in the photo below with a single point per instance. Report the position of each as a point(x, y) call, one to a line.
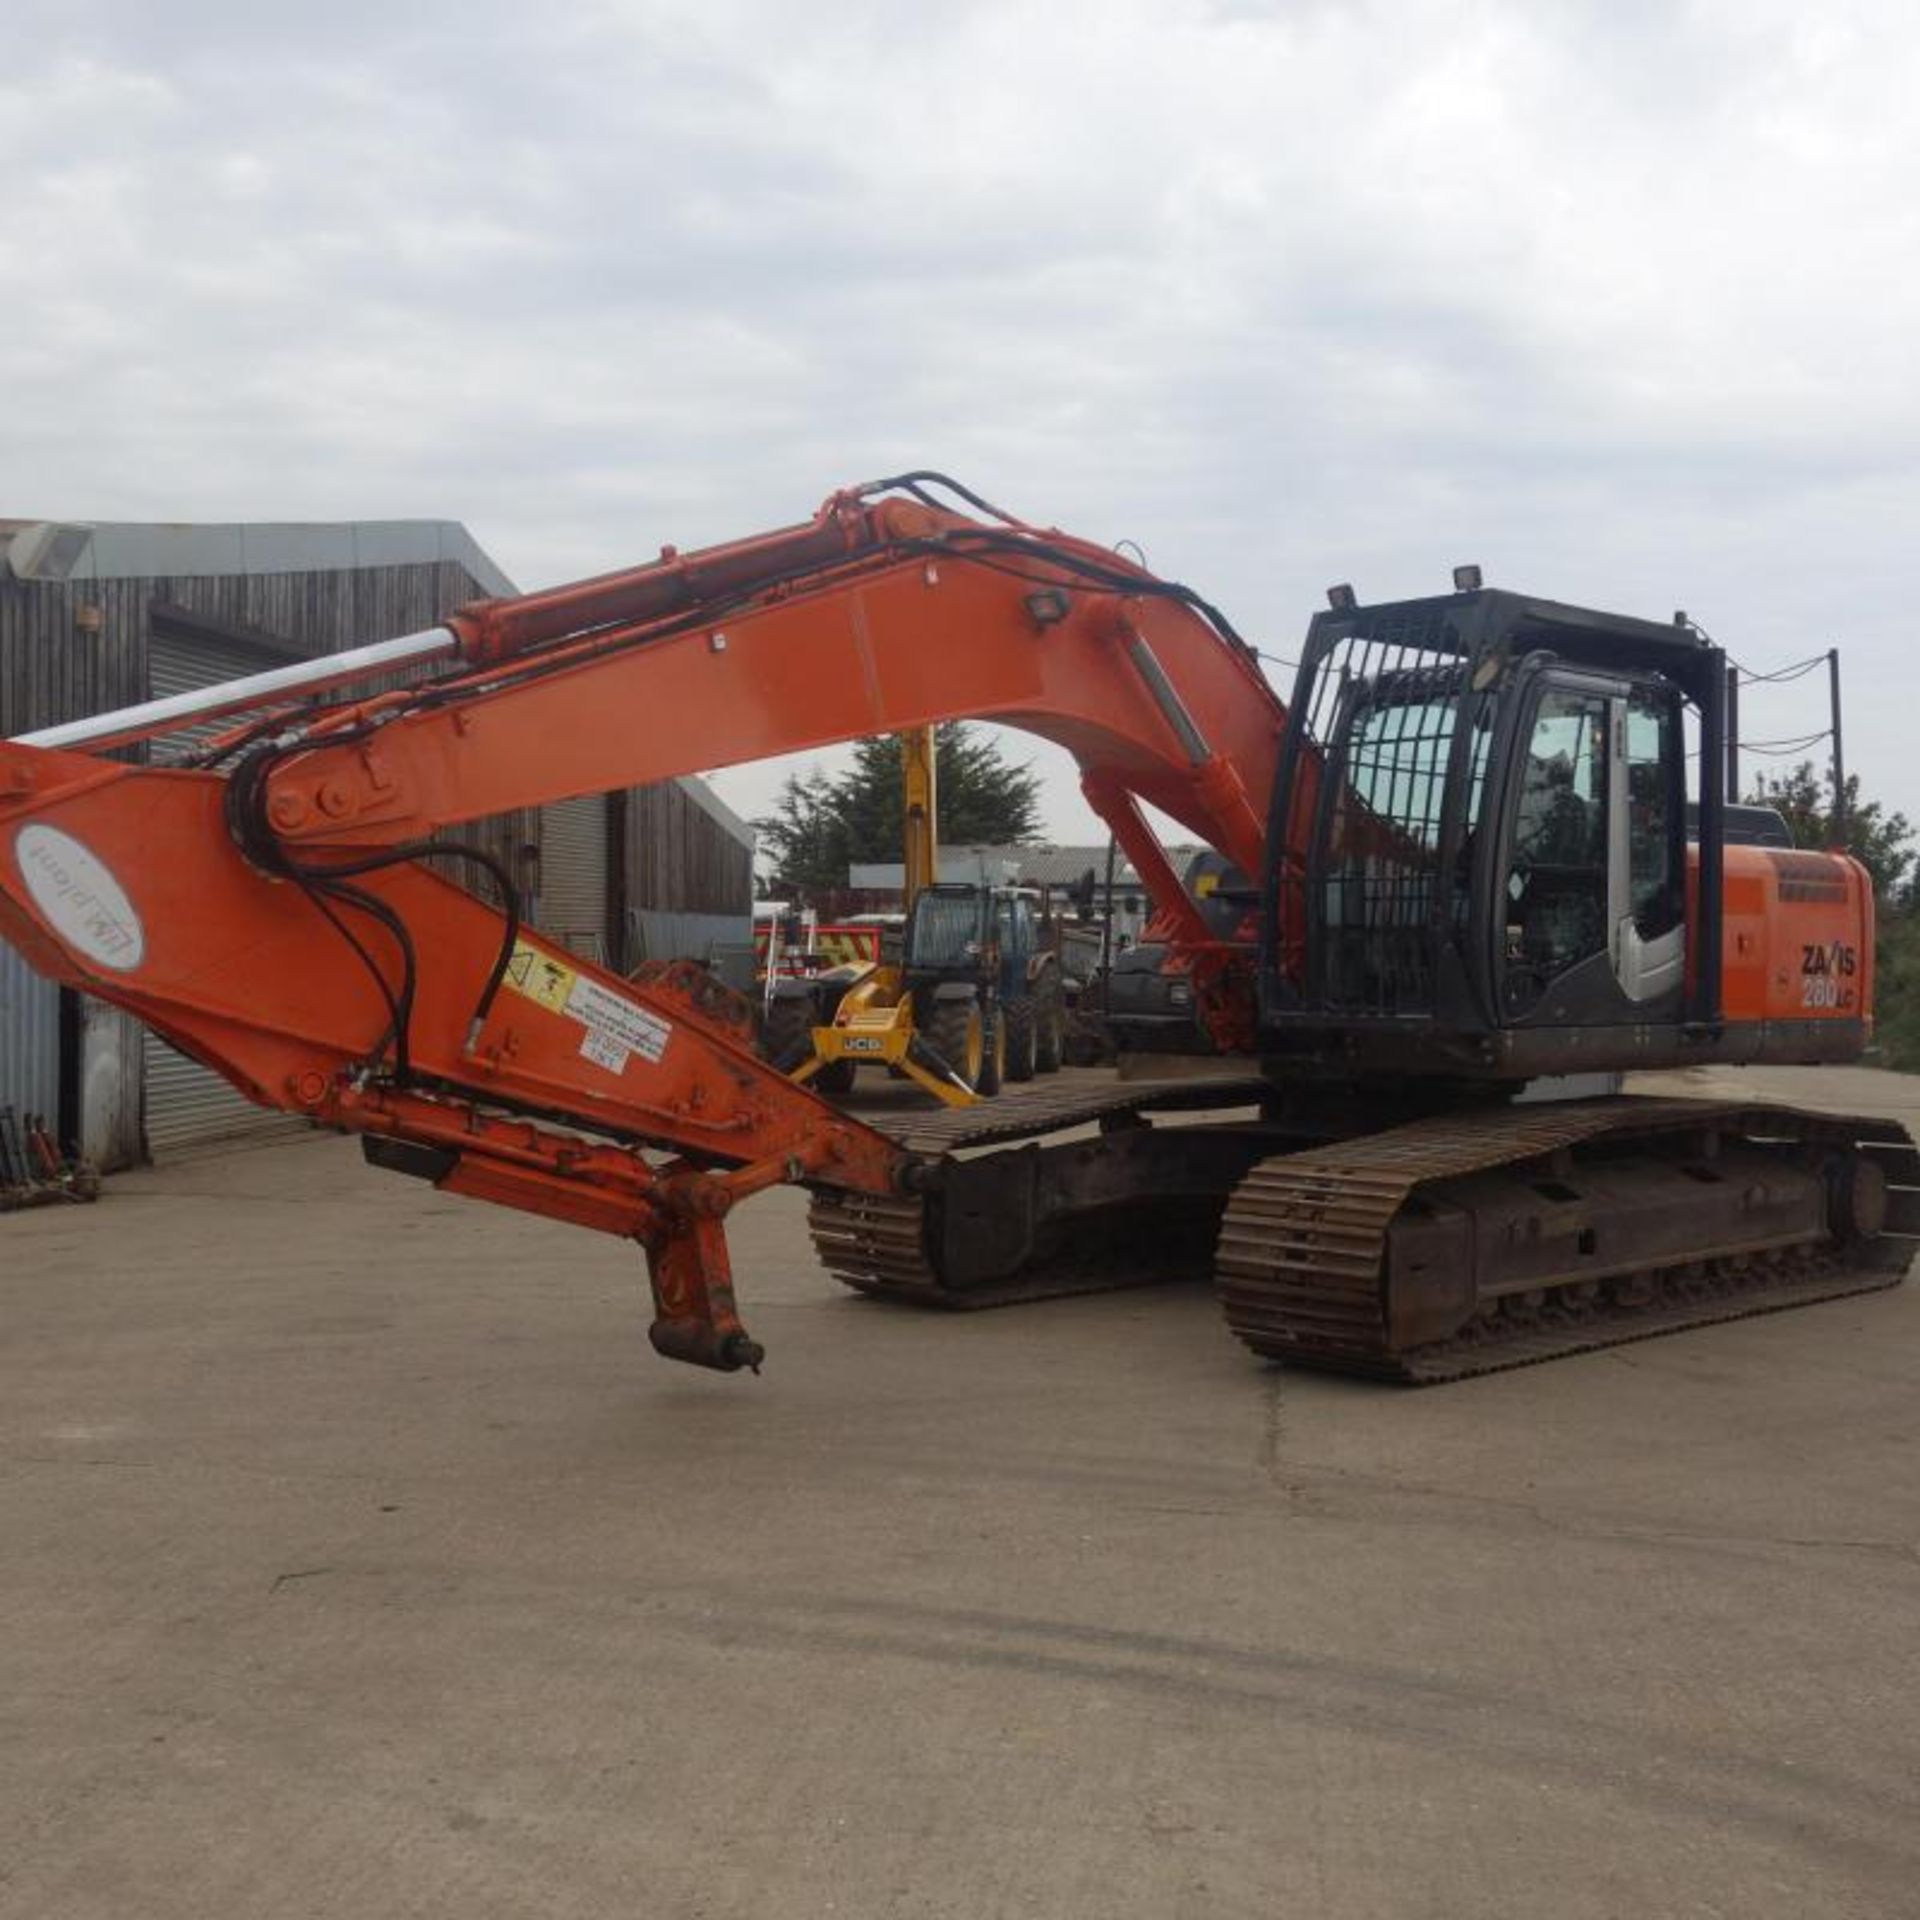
point(1049, 1026)
point(786, 1032)
point(1017, 1019)
point(993, 1069)
point(957, 1034)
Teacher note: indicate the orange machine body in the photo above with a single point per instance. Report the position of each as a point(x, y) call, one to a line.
point(273, 910)
point(1798, 938)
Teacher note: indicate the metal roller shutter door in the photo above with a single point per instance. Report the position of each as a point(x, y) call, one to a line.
point(29, 1040)
point(186, 1105)
point(575, 849)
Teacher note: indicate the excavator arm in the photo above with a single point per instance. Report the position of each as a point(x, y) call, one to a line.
point(698, 662)
point(273, 905)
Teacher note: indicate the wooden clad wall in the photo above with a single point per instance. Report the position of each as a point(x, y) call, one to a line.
point(77, 647)
point(80, 647)
point(52, 667)
point(679, 859)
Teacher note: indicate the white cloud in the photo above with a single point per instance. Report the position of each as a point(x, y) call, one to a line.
point(1618, 299)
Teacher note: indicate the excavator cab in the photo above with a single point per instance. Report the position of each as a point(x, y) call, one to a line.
point(1483, 805)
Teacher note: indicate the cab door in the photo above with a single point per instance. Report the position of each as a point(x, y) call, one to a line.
point(1591, 897)
point(1648, 853)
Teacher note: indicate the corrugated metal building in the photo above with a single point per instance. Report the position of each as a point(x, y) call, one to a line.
point(100, 616)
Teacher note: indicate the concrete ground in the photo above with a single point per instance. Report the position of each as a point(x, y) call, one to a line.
point(357, 1559)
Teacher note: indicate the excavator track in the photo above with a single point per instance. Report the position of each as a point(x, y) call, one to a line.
point(878, 1245)
point(1306, 1266)
point(1309, 1271)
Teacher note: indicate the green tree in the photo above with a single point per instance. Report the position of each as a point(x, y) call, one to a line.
point(822, 825)
point(983, 799)
point(1896, 990)
point(803, 843)
point(1880, 841)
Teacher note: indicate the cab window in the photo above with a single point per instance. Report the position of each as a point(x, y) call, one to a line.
point(1557, 879)
point(1655, 882)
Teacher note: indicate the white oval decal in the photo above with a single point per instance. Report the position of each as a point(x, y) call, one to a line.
point(83, 903)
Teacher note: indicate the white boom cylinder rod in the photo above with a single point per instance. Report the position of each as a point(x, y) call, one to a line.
point(256, 690)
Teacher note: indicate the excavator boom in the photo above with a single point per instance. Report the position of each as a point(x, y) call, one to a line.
point(277, 905)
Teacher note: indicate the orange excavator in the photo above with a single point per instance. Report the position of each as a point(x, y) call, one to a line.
point(1468, 829)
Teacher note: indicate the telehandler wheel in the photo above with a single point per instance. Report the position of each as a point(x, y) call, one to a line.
point(1017, 1018)
point(958, 1034)
point(786, 1032)
point(993, 1068)
point(836, 1077)
point(1049, 1026)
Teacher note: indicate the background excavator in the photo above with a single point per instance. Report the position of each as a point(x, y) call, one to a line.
point(1467, 830)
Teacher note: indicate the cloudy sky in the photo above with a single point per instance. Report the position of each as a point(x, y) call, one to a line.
point(1620, 300)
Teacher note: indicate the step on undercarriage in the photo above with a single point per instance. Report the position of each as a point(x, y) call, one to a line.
point(1449, 1246)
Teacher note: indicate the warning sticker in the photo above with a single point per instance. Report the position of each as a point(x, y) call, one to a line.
point(604, 1052)
point(616, 1028)
point(540, 976)
point(616, 1019)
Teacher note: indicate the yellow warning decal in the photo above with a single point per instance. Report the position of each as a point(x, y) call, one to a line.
point(540, 976)
point(616, 1027)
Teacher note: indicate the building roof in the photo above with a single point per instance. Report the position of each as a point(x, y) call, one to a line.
point(161, 549)
point(62, 550)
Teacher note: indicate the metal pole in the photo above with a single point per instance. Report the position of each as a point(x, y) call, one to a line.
point(1106, 939)
point(1733, 732)
point(1707, 987)
point(256, 690)
point(1838, 820)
